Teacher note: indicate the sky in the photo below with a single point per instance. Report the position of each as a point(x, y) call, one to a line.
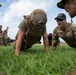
point(12, 11)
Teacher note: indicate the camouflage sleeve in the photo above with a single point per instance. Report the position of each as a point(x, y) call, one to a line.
point(23, 26)
point(74, 31)
point(55, 39)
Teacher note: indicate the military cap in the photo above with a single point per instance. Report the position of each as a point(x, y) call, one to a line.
point(61, 4)
point(61, 16)
point(38, 16)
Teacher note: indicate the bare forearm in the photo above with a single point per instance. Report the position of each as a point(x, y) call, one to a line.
point(46, 45)
point(18, 47)
point(19, 38)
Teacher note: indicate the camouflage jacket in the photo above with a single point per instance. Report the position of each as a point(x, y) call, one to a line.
point(69, 36)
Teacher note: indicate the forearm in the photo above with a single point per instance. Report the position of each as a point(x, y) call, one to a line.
point(46, 44)
point(19, 38)
point(18, 46)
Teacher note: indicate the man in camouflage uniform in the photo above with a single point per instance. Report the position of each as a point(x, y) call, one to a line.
point(30, 31)
point(1, 36)
point(64, 30)
point(7, 39)
point(6, 31)
point(69, 6)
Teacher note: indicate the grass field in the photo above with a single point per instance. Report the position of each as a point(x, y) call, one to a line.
point(35, 61)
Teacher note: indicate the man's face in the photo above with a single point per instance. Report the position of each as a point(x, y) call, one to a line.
point(61, 23)
point(39, 26)
point(70, 7)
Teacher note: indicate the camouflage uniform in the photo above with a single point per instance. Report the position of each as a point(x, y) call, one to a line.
point(5, 36)
point(32, 35)
point(69, 36)
point(1, 38)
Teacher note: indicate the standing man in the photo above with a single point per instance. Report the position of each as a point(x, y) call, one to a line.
point(69, 6)
point(6, 31)
point(64, 30)
point(7, 39)
point(30, 31)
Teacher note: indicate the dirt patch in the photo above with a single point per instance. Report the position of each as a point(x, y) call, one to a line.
point(71, 72)
point(1, 73)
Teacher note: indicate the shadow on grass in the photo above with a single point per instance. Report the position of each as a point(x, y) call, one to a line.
point(35, 49)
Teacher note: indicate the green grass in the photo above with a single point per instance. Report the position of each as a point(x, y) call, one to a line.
point(35, 61)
